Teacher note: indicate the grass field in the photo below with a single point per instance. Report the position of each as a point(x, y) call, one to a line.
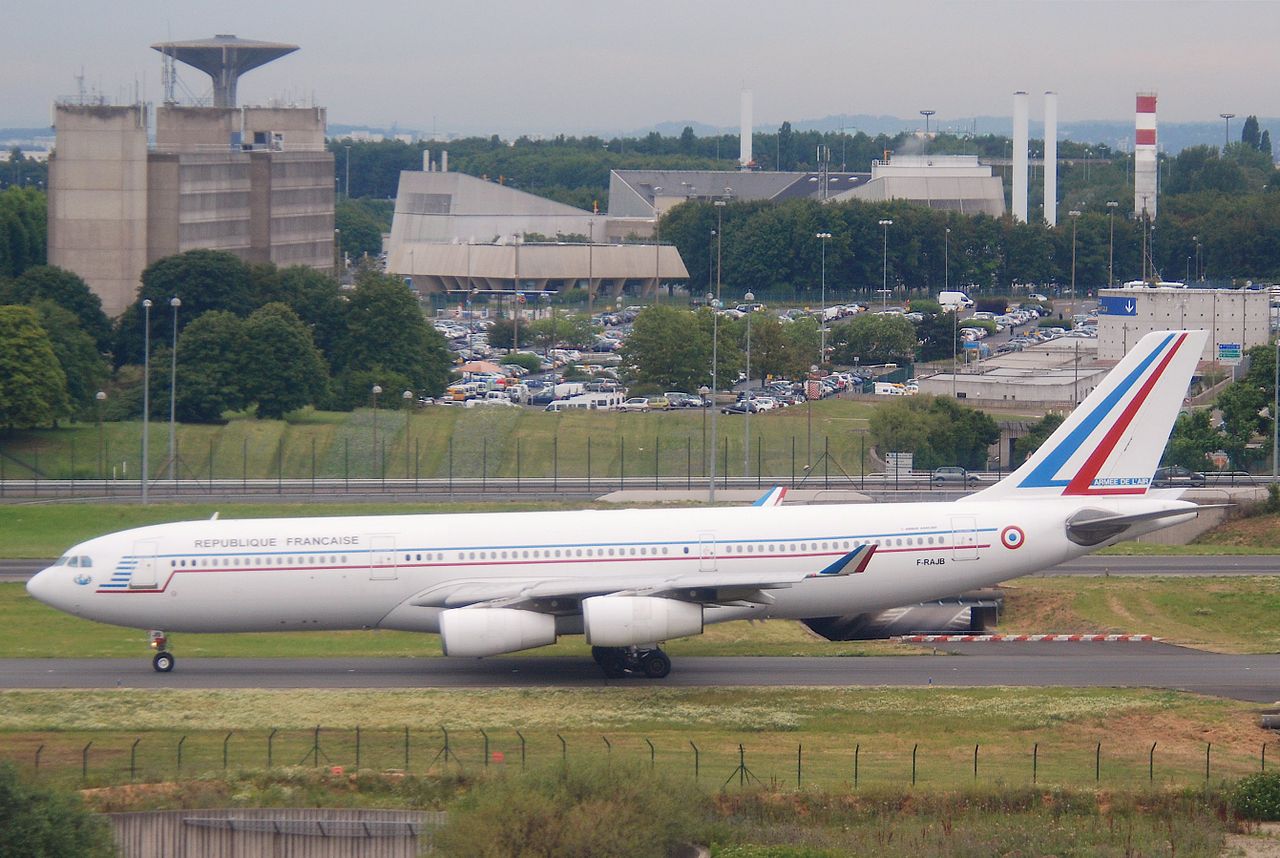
point(437, 441)
point(823, 728)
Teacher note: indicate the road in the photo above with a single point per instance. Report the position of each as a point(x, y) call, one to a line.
point(1254, 678)
point(1182, 565)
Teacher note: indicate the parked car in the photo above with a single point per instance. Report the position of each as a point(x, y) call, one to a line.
point(1177, 476)
point(945, 475)
point(635, 403)
point(742, 406)
point(676, 399)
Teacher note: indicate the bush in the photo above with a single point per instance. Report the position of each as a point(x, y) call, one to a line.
point(37, 821)
point(531, 362)
point(986, 324)
point(1257, 797)
point(577, 810)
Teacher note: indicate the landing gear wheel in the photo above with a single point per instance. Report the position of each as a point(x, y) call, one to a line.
point(163, 662)
point(615, 666)
point(655, 664)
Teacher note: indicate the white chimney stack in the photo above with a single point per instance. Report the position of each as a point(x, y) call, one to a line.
point(1051, 158)
point(444, 160)
point(1020, 156)
point(744, 144)
point(426, 160)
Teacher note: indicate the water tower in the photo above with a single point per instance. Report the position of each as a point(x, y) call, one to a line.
point(224, 58)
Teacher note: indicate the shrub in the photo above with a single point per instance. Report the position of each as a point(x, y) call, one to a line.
point(37, 821)
point(1257, 797)
point(576, 810)
point(529, 361)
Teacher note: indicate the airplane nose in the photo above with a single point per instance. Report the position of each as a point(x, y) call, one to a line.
point(42, 586)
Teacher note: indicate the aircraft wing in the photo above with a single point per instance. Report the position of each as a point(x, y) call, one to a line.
point(563, 594)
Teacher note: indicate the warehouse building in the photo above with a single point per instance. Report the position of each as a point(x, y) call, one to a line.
point(1236, 319)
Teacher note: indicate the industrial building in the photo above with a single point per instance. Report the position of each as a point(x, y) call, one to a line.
point(1058, 374)
point(253, 181)
point(955, 183)
point(456, 233)
point(1235, 318)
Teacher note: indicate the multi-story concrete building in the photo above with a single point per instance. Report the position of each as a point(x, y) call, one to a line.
point(253, 181)
point(1231, 316)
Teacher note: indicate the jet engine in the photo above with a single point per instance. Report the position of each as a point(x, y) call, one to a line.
point(470, 632)
point(616, 621)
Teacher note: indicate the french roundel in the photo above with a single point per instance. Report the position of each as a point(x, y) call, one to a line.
point(1012, 537)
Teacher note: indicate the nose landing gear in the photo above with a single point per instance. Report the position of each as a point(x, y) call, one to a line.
point(163, 661)
point(621, 662)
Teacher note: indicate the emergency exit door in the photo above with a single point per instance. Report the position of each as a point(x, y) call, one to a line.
point(382, 557)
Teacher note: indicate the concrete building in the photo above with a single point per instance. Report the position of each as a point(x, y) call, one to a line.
point(454, 233)
point(1232, 316)
point(948, 182)
point(253, 181)
point(637, 196)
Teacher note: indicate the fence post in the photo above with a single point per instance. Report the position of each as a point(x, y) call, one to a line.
point(522, 748)
point(484, 465)
point(1207, 748)
point(759, 461)
point(1264, 757)
point(180, 743)
point(417, 462)
point(133, 759)
point(688, 465)
point(451, 466)
point(826, 461)
point(406, 749)
point(1097, 763)
point(652, 751)
point(564, 750)
point(244, 464)
point(608, 753)
point(914, 748)
point(517, 466)
point(84, 761)
point(622, 463)
point(1035, 761)
point(211, 466)
point(346, 463)
point(486, 747)
point(357, 747)
point(225, 742)
point(40, 750)
point(655, 462)
point(588, 463)
point(856, 750)
point(313, 465)
point(315, 744)
point(696, 760)
point(1151, 763)
point(555, 463)
point(975, 762)
point(270, 738)
point(799, 753)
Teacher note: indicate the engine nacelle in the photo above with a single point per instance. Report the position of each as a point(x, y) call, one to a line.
point(471, 632)
point(628, 620)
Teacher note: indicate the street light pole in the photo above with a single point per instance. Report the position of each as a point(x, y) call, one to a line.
point(347, 192)
point(1275, 415)
point(174, 302)
point(375, 390)
point(1111, 242)
point(1226, 134)
point(884, 266)
point(719, 204)
point(146, 391)
point(746, 424)
point(1075, 216)
point(714, 304)
point(99, 398)
point(823, 237)
point(657, 244)
point(926, 114)
point(407, 396)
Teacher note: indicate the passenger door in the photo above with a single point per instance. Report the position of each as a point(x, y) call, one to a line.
point(382, 557)
point(144, 575)
point(706, 552)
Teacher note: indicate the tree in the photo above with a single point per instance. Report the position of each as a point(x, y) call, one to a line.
point(668, 349)
point(283, 369)
point(386, 330)
point(1192, 440)
point(359, 232)
point(1036, 436)
point(33, 386)
point(40, 821)
point(869, 338)
point(76, 353)
point(68, 291)
point(938, 337)
point(1249, 134)
point(211, 364)
point(937, 430)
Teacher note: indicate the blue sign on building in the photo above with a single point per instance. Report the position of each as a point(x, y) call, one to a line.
point(1112, 305)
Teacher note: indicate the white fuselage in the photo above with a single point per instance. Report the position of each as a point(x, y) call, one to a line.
point(399, 571)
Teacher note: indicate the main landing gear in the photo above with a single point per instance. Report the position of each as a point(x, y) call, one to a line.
point(620, 662)
point(162, 661)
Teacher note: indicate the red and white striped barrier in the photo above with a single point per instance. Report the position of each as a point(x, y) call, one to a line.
point(1024, 638)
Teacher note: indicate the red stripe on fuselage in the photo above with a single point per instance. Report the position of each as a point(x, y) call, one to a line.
point(1080, 484)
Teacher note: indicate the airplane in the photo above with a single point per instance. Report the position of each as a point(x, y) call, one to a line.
point(630, 579)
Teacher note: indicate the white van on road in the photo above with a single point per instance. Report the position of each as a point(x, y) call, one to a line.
point(953, 300)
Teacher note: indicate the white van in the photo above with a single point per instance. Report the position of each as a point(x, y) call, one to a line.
point(953, 300)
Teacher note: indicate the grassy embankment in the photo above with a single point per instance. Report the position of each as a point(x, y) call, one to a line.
point(483, 442)
point(823, 726)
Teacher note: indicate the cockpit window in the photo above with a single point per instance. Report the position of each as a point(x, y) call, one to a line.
point(73, 561)
point(85, 561)
point(63, 560)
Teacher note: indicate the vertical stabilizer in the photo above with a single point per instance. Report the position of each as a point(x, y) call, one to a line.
point(1112, 443)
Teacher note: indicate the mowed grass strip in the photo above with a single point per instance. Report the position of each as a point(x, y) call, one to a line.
point(820, 730)
point(432, 442)
point(1226, 614)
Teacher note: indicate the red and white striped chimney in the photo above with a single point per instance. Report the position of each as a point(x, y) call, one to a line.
point(1144, 156)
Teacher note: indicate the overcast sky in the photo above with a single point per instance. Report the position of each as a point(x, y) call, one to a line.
point(539, 66)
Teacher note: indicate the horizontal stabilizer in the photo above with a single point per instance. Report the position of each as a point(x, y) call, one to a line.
point(1092, 526)
point(852, 563)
